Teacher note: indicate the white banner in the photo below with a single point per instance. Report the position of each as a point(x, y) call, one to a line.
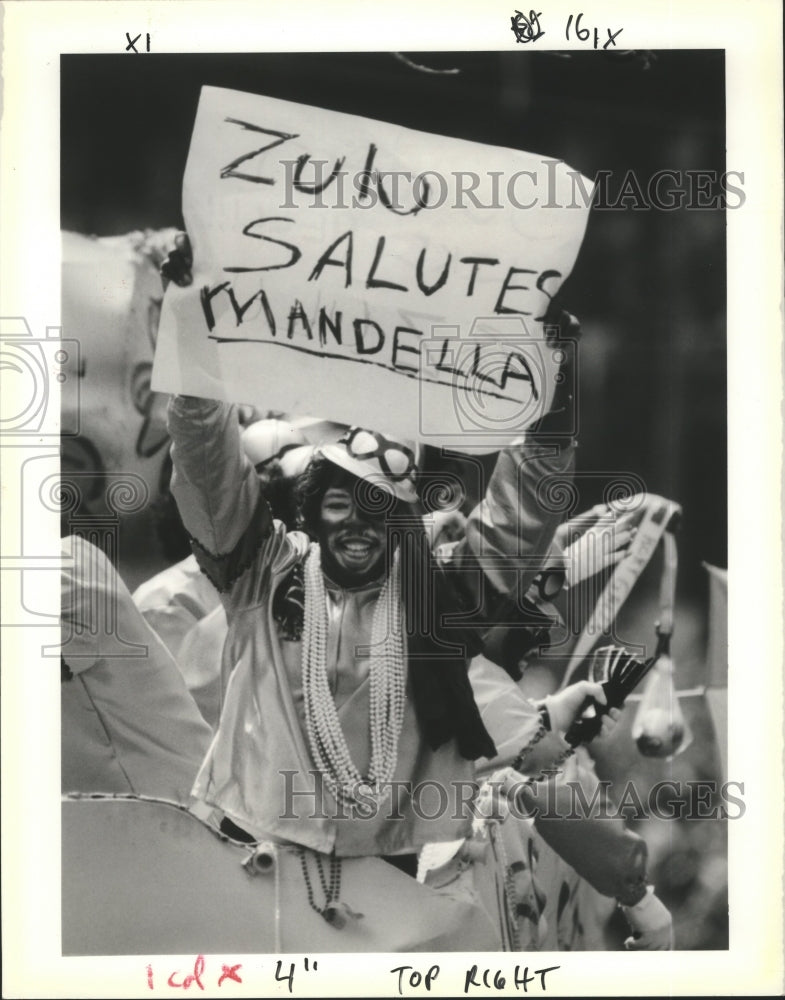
point(368, 273)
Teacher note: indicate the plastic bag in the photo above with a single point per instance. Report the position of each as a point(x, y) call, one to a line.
point(660, 728)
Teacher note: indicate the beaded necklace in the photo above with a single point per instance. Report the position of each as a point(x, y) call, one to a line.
point(387, 675)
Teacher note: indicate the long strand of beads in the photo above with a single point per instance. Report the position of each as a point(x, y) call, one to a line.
point(335, 879)
point(331, 890)
point(387, 677)
point(308, 885)
point(312, 652)
point(323, 728)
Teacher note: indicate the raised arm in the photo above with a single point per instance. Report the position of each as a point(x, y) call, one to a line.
point(215, 486)
point(509, 533)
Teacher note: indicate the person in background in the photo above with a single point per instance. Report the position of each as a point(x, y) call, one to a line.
point(129, 724)
point(174, 600)
point(182, 605)
point(610, 859)
point(583, 547)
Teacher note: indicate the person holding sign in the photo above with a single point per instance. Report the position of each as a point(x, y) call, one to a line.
point(349, 725)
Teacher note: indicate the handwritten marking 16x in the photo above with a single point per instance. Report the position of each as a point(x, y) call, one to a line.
point(527, 29)
point(583, 34)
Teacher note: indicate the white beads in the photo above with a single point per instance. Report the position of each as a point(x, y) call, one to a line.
point(387, 675)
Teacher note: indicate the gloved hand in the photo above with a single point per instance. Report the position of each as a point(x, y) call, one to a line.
point(651, 924)
point(567, 705)
point(178, 264)
point(558, 424)
point(446, 526)
point(603, 544)
point(493, 799)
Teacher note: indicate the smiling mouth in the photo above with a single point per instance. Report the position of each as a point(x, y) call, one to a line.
point(358, 548)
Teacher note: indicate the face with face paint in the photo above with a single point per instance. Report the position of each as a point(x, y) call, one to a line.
point(353, 539)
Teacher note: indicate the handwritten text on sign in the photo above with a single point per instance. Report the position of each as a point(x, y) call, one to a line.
point(368, 273)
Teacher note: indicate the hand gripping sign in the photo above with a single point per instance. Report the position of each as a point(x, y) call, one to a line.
point(368, 272)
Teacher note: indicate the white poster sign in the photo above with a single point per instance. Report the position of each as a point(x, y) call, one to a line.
point(369, 273)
